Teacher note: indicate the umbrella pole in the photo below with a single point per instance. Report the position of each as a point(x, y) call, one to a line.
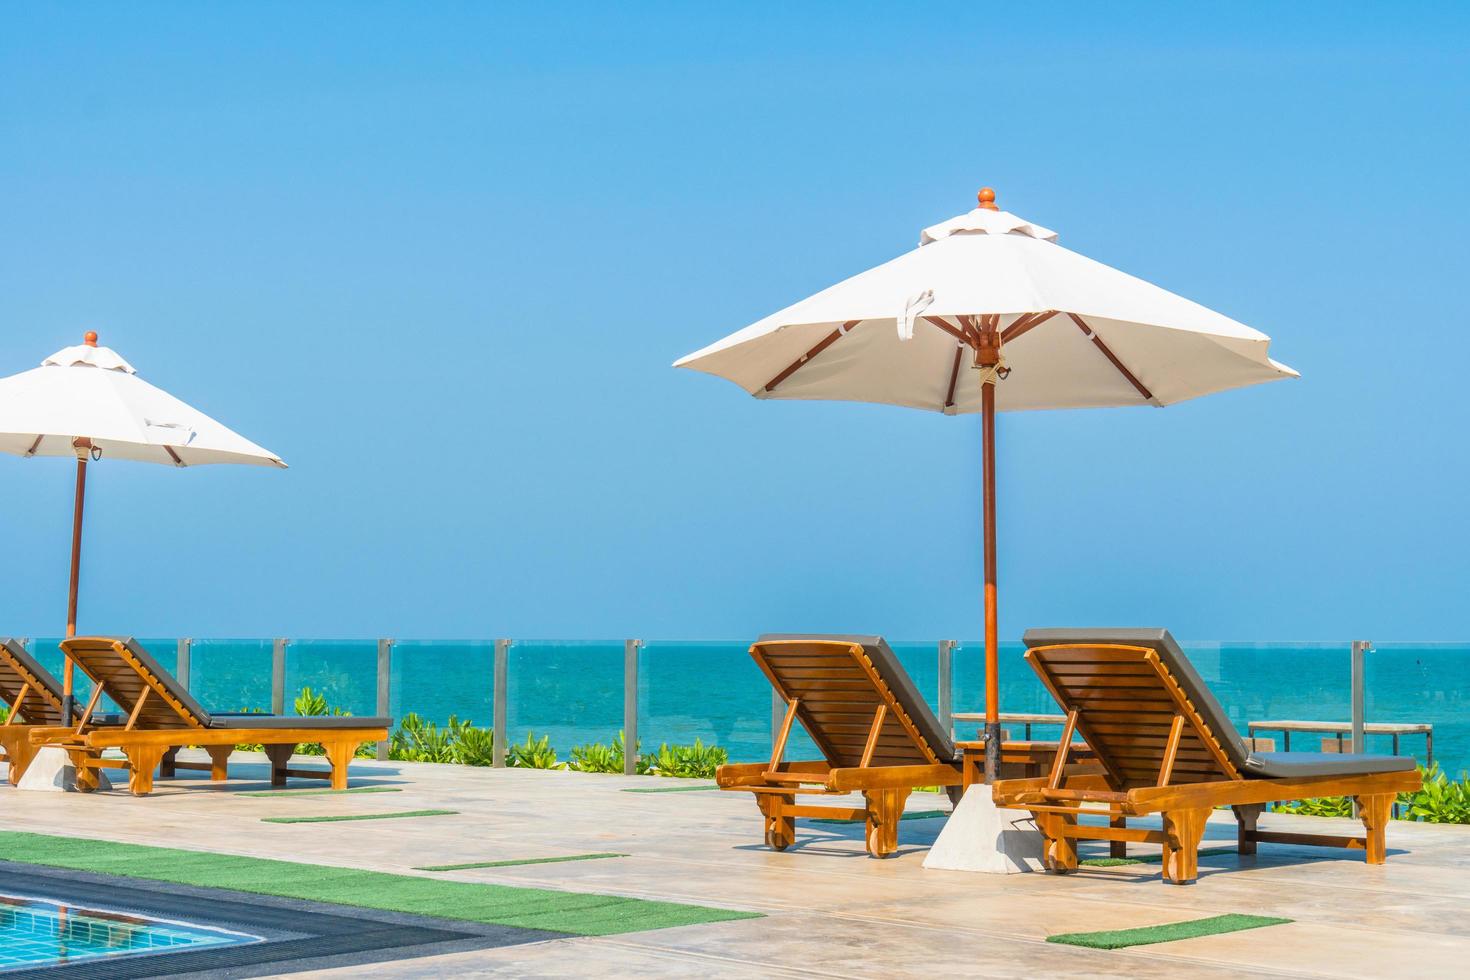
point(992, 657)
point(83, 448)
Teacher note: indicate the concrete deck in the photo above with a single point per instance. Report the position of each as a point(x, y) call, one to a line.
point(831, 911)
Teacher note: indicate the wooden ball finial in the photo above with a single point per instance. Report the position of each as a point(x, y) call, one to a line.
point(90, 338)
point(987, 199)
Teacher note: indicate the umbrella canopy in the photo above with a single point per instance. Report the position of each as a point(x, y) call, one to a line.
point(990, 314)
point(87, 401)
point(91, 392)
point(1076, 333)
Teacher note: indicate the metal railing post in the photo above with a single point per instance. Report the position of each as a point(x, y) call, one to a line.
point(1359, 699)
point(181, 662)
point(1360, 694)
point(278, 676)
point(500, 696)
point(630, 706)
point(946, 686)
point(385, 688)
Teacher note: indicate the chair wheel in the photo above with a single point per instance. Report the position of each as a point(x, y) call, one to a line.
point(875, 834)
point(776, 840)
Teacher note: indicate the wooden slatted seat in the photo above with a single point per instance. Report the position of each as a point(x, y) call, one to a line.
point(1166, 746)
point(876, 734)
point(162, 717)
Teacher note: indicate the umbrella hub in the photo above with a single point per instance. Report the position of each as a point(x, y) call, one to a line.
point(986, 219)
point(88, 354)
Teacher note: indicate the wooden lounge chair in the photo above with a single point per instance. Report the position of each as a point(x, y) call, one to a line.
point(162, 717)
point(33, 696)
point(1164, 745)
point(875, 732)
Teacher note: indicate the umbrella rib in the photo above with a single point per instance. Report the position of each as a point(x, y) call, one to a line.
point(1024, 323)
point(817, 348)
point(1098, 343)
point(957, 333)
point(954, 376)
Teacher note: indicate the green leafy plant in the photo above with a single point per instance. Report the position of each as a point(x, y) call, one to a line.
point(1441, 800)
point(697, 761)
point(533, 754)
point(1326, 806)
point(473, 746)
point(597, 757)
point(416, 740)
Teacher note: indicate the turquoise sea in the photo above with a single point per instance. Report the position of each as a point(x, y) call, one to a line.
point(573, 690)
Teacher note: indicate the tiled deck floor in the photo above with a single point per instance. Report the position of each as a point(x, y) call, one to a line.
point(831, 911)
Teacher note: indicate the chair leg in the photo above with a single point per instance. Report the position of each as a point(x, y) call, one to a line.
point(166, 768)
point(219, 757)
point(20, 755)
point(1118, 848)
point(780, 828)
point(1059, 852)
point(1184, 829)
point(142, 760)
point(86, 776)
point(1375, 811)
point(339, 754)
point(885, 809)
point(1245, 825)
point(280, 757)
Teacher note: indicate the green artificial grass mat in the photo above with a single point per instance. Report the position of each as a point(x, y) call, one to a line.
point(395, 815)
point(915, 815)
point(517, 861)
point(1112, 862)
point(667, 789)
point(507, 905)
point(272, 793)
point(1120, 938)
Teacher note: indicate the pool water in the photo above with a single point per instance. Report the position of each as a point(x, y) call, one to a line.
point(38, 932)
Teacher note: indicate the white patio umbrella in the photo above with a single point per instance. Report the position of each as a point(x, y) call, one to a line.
point(990, 314)
point(86, 401)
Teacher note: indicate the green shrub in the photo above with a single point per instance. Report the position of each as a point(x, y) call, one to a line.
point(1326, 806)
point(533, 754)
point(597, 757)
point(416, 740)
point(697, 761)
point(473, 746)
point(1441, 800)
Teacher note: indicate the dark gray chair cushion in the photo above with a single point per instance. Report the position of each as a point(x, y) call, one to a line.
point(1268, 765)
point(169, 682)
point(886, 663)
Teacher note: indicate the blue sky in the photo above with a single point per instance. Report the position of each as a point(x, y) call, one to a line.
point(441, 257)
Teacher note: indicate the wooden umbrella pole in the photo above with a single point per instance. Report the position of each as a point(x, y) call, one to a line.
point(83, 448)
point(992, 632)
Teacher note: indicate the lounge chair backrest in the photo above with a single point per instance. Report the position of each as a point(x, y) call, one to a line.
point(841, 681)
point(124, 670)
point(18, 669)
point(1127, 686)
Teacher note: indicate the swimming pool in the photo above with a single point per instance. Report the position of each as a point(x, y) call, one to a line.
point(39, 932)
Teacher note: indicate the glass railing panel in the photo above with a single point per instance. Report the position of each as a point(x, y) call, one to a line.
point(344, 672)
point(1020, 690)
point(231, 675)
point(711, 691)
point(437, 679)
point(47, 650)
point(1254, 682)
point(1421, 683)
point(569, 691)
